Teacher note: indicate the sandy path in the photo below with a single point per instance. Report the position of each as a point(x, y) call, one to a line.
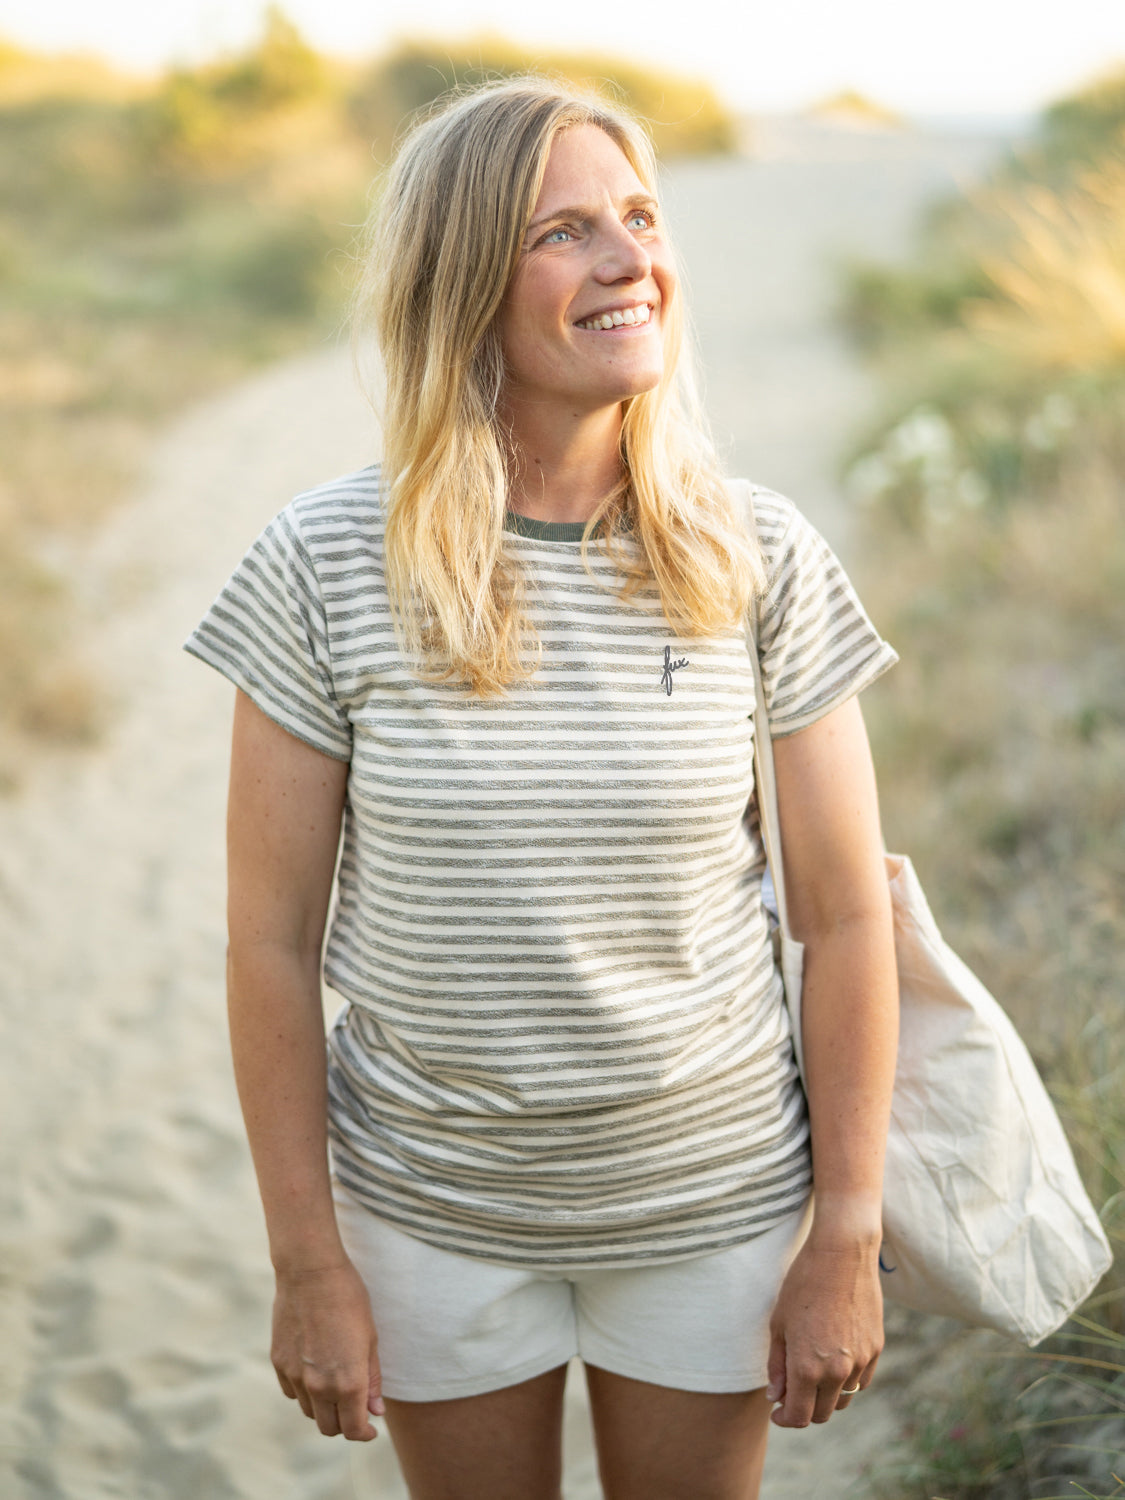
point(134, 1322)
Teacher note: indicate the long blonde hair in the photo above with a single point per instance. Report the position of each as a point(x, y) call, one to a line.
point(443, 246)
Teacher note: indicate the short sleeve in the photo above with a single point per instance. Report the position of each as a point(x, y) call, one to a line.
point(268, 633)
point(817, 646)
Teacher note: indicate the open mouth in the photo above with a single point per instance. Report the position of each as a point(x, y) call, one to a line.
point(624, 317)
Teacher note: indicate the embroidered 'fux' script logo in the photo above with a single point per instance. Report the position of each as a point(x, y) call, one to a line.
point(670, 666)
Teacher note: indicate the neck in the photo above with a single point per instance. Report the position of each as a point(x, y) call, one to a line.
point(562, 470)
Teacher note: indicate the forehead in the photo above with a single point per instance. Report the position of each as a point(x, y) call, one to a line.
point(585, 164)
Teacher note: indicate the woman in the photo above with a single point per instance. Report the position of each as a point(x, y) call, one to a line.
point(563, 1107)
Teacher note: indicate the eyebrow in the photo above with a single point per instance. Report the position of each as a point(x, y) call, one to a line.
point(582, 213)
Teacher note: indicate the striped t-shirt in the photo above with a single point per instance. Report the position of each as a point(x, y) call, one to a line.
point(564, 1042)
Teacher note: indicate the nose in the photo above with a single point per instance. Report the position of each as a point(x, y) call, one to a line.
point(624, 257)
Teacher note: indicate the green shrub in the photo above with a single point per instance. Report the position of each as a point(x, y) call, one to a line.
point(206, 117)
point(1086, 126)
point(685, 115)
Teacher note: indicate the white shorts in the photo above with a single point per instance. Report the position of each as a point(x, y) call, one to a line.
point(451, 1325)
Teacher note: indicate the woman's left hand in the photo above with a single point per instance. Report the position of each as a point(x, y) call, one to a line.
point(826, 1331)
point(827, 1327)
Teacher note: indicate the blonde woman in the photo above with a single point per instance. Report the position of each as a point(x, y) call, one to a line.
point(511, 664)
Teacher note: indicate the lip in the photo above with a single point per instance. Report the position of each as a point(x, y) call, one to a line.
point(618, 307)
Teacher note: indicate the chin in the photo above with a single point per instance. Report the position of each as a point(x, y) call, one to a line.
point(642, 387)
point(637, 384)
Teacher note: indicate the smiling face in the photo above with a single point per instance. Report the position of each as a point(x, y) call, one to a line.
point(581, 325)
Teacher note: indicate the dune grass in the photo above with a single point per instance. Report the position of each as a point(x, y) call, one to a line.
point(160, 238)
point(994, 546)
point(131, 282)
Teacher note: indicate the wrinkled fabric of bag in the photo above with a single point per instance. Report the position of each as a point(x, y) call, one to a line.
point(980, 1180)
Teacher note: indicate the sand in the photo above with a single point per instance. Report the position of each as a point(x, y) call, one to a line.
point(136, 1300)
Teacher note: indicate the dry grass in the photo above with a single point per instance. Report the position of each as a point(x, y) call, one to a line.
point(1059, 290)
point(1002, 736)
point(1001, 747)
point(995, 560)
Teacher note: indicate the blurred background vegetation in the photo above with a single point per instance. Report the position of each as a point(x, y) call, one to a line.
point(991, 490)
point(160, 238)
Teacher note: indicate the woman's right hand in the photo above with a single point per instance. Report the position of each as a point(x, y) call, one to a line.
point(324, 1349)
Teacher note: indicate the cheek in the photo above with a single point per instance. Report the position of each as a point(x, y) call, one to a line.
point(515, 333)
point(667, 281)
point(532, 331)
point(519, 345)
point(670, 320)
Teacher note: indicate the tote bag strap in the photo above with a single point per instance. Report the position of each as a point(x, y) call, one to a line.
point(764, 778)
point(765, 782)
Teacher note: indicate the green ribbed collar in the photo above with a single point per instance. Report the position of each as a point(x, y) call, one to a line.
point(545, 531)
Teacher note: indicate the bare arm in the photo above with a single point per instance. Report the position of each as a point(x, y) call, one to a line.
point(283, 827)
point(828, 1323)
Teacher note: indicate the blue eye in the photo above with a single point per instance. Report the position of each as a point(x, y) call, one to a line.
point(642, 217)
point(552, 237)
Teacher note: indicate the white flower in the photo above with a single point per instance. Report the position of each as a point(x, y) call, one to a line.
point(869, 478)
point(1053, 420)
point(924, 436)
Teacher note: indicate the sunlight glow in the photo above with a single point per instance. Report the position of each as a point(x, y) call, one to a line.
point(976, 56)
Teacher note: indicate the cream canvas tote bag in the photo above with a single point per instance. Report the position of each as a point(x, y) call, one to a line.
point(985, 1217)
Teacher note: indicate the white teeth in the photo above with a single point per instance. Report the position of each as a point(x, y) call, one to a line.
point(627, 317)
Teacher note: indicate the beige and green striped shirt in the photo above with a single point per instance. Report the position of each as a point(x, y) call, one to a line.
point(564, 1043)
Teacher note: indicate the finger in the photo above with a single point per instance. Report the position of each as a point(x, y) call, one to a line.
point(796, 1409)
point(304, 1400)
point(851, 1389)
point(856, 1384)
point(868, 1374)
point(827, 1395)
point(374, 1383)
point(327, 1418)
point(775, 1389)
point(351, 1412)
point(286, 1385)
